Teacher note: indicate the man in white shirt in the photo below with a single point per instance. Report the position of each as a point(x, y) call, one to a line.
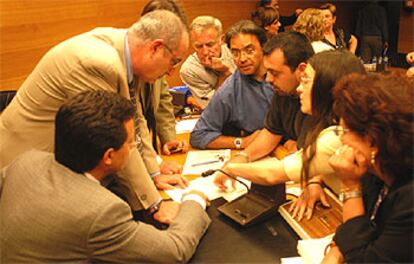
point(211, 63)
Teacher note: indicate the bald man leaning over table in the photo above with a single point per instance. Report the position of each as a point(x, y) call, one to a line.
point(109, 59)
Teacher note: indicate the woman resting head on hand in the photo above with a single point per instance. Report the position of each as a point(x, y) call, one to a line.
point(375, 166)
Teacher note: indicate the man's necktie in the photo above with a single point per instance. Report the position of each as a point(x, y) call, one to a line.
point(132, 86)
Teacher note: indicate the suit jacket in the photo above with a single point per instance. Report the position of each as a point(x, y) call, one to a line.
point(63, 216)
point(90, 61)
point(157, 98)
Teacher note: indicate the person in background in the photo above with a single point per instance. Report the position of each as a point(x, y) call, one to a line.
point(334, 36)
point(310, 164)
point(268, 19)
point(103, 59)
point(65, 215)
point(311, 23)
point(284, 20)
point(156, 100)
point(285, 57)
point(375, 166)
point(206, 69)
point(372, 31)
point(236, 112)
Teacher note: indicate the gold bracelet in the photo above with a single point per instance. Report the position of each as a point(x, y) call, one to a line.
point(321, 183)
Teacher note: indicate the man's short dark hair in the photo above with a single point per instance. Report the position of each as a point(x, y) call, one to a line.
point(246, 27)
point(89, 124)
point(295, 46)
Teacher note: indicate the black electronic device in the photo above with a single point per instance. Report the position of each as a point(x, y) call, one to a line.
point(256, 205)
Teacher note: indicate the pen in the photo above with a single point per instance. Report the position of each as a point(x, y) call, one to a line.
point(205, 162)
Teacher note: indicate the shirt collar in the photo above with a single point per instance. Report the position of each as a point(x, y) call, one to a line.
point(130, 74)
point(90, 177)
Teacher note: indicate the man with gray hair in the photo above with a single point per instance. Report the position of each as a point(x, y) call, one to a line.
point(211, 63)
point(109, 59)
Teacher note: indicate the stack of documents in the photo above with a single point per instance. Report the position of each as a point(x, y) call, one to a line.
point(185, 126)
point(200, 161)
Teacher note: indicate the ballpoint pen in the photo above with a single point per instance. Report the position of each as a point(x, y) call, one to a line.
point(220, 158)
point(205, 162)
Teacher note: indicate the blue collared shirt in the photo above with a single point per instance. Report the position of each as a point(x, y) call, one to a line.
point(239, 105)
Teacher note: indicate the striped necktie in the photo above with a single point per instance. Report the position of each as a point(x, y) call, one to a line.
point(132, 86)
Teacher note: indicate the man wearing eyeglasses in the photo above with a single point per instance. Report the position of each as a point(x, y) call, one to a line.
point(205, 70)
point(110, 59)
point(237, 111)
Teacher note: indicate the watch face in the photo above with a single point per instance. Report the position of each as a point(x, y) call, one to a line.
point(237, 142)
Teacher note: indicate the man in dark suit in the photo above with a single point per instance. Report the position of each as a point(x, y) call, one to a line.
point(65, 215)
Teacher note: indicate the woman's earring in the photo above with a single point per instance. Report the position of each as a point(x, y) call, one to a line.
point(373, 156)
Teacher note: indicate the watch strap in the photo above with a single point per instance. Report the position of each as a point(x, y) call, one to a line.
point(343, 196)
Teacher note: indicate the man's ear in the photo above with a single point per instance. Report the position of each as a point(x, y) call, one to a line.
point(108, 156)
point(155, 45)
point(222, 39)
point(300, 70)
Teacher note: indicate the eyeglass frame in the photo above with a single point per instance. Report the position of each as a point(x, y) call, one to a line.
point(248, 51)
point(175, 61)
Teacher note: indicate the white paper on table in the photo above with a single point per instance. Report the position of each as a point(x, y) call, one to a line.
point(198, 156)
point(312, 250)
point(207, 186)
point(291, 260)
point(185, 126)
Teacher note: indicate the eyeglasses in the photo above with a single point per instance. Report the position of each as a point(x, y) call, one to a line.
point(248, 52)
point(339, 130)
point(175, 61)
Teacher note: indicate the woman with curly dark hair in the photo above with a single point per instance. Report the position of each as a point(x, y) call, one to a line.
point(375, 166)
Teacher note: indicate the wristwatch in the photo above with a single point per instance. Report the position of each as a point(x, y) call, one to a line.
point(343, 196)
point(237, 142)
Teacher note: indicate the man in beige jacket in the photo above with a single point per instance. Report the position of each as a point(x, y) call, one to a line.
point(102, 59)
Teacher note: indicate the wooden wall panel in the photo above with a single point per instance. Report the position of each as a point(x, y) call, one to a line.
point(406, 34)
point(28, 28)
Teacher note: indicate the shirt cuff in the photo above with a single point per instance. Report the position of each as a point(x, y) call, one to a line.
point(196, 198)
point(154, 174)
point(155, 206)
point(159, 160)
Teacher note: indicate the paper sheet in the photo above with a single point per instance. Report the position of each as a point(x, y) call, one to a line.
point(207, 186)
point(312, 250)
point(185, 126)
point(197, 157)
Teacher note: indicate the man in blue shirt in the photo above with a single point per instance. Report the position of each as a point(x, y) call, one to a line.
point(237, 111)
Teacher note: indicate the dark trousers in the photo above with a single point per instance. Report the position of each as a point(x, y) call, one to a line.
point(371, 46)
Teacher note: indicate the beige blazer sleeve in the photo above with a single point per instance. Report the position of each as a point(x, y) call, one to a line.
point(115, 238)
point(164, 111)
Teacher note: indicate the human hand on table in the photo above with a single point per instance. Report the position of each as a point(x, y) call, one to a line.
point(305, 203)
point(174, 146)
point(170, 167)
point(168, 182)
point(167, 212)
